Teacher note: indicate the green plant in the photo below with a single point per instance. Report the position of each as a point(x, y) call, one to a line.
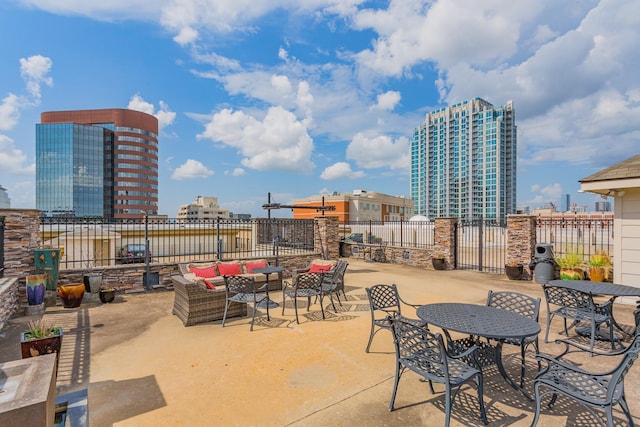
point(599, 259)
point(573, 258)
point(40, 329)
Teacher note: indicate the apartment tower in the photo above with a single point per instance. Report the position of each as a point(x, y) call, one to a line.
point(463, 162)
point(97, 163)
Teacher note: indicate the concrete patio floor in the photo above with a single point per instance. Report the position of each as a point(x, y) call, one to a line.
point(142, 367)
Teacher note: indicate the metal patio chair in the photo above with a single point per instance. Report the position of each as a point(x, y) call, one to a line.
point(242, 289)
point(524, 305)
point(577, 306)
point(385, 303)
point(424, 353)
point(304, 285)
point(602, 390)
point(333, 281)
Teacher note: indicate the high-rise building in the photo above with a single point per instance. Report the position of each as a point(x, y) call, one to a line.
point(565, 203)
point(463, 162)
point(99, 163)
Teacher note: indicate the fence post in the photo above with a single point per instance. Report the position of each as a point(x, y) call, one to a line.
point(327, 237)
point(521, 241)
point(445, 237)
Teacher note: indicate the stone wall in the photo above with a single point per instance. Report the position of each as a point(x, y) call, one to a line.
point(521, 241)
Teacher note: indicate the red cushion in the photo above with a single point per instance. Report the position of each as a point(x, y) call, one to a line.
point(319, 268)
point(203, 272)
point(256, 264)
point(230, 269)
point(209, 285)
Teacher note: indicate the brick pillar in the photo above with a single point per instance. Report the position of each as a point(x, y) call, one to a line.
point(445, 238)
point(521, 241)
point(326, 236)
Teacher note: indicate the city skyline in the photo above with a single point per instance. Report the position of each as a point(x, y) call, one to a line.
point(297, 99)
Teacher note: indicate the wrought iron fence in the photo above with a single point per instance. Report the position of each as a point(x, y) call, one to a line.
point(88, 243)
point(405, 234)
point(586, 234)
point(481, 244)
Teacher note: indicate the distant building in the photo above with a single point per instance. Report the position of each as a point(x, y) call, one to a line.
point(97, 163)
point(202, 208)
point(360, 205)
point(5, 201)
point(463, 162)
point(244, 217)
point(603, 206)
point(565, 203)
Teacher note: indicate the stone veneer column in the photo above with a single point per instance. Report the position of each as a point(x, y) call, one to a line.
point(327, 237)
point(21, 238)
point(521, 241)
point(445, 237)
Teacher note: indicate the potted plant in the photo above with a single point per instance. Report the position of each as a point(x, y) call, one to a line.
point(438, 261)
point(92, 280)
point(571, 263)
point(40, 338)
point(599, 265)
point(514, 270)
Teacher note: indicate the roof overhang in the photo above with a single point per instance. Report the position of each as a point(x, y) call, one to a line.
point(610, 187)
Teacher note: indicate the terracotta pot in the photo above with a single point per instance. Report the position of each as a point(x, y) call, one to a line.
point(71, 295)
point(597, 274)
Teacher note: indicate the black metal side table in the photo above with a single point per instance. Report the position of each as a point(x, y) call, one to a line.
point(268, 302)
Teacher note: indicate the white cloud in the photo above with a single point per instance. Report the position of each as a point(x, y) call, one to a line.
point(12, 159)
point(236, 172)
point(341, 170)
point(10, 111)
point(191, 169)
point(388, 100)
point(277, 142)
point(379, 151)
point(34, 70)
point(164, 115)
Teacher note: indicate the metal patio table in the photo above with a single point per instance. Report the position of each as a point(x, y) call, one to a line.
point(482, 321)
point(600, 288)
point(268, 302)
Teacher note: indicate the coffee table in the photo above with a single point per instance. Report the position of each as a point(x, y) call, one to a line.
point(268, 302)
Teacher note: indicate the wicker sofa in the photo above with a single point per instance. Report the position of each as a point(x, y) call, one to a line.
point(194, 303)
point(213, 272)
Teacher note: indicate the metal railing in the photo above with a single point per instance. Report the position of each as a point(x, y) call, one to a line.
point(481, 245)
point(88, 243)
point(404, 234)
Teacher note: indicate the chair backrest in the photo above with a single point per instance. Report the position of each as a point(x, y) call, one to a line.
point(425, 349)
point(308, 281)
point(516, 302)
point(240, 284)
point(569, 298)
point(384, 297)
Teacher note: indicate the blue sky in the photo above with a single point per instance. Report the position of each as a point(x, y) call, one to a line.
point(299, 98)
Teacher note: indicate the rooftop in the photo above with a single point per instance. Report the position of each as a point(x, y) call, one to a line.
point(142, 367)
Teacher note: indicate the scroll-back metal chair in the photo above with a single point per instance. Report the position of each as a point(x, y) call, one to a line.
point(385, 303)
point(242, 289)
point(424, 353)
point(524, 305)
point(578, 307)
point(602, 390)
point(304, 285)
point(333, 281)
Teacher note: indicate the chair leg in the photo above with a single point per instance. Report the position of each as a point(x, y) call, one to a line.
point(625, 409)
point(253, 318)
point(447, 405)
point(224, 316)
point(370, 336)
point(483, 412)
point(295, 306)
point(546, 335)
point(399, 370)
point(537, 414)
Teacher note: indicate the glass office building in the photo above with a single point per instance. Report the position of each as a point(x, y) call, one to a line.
point(463, 162)
point(97, 163)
